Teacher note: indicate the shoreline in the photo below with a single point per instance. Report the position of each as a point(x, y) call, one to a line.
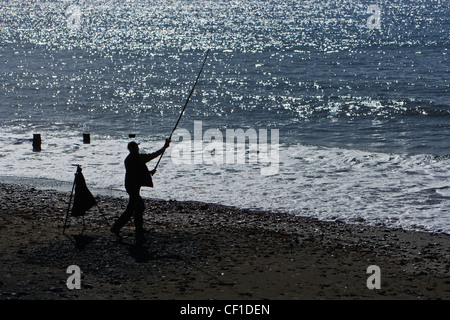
point(46, 184)
point(197, 251)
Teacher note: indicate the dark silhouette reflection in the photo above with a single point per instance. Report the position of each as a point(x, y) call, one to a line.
point(140, 253)
point(81, 241)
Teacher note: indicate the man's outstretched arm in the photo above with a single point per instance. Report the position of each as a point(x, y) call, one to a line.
point(150, 156)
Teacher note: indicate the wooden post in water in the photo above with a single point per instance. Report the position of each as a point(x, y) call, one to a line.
point(86, 138)
point(37, 142)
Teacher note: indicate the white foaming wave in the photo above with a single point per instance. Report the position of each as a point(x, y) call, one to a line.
point(397, 190)
point(326, 183)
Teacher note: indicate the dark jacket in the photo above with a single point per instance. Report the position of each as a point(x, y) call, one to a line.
point(137, 174)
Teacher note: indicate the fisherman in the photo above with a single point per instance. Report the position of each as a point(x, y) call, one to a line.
point(137, 175)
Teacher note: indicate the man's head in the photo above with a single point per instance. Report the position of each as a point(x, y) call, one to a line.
point(133, 147)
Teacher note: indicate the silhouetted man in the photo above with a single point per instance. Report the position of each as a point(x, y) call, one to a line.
point(137, 175)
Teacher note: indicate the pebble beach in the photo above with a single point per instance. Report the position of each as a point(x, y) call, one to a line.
point(199, 251)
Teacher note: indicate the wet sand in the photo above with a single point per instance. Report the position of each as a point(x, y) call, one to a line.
point(206, 251)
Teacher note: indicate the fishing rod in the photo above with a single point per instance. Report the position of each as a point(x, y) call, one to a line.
point(185, 105)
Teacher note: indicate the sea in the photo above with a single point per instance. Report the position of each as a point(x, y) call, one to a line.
point(333, 109)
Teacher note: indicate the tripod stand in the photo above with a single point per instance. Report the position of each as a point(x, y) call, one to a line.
point(83, 200)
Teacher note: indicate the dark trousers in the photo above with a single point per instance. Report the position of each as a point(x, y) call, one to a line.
point(135, 209)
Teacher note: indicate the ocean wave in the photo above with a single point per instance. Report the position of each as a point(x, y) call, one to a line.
point(397, 190)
